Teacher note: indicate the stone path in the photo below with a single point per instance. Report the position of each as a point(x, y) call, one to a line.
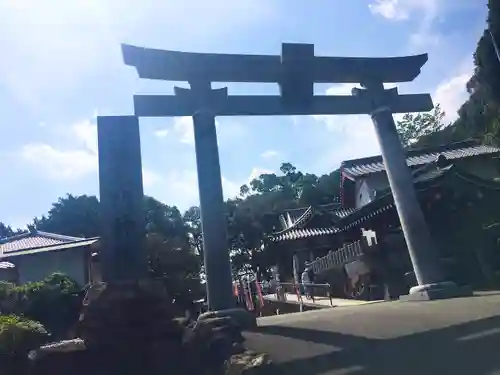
point(449, 337)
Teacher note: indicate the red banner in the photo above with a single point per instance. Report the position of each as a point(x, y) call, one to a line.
point(249, 299)
point(259, 292)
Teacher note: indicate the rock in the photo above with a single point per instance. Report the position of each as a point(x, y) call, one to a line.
point(130, 328)
point(250, 363)
point(60, 347)
point(246, 320)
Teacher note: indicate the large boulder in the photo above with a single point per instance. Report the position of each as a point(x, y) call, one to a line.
point(130, 328)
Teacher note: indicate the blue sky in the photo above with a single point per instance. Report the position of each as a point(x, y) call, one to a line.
point(61, 66)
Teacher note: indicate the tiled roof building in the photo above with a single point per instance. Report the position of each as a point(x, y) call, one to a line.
point(37, 254)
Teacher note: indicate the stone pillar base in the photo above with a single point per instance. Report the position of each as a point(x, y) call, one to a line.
point(245, 319)
point(442, 290)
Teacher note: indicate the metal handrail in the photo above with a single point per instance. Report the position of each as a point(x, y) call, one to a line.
point(338, 258)
point(296, 286)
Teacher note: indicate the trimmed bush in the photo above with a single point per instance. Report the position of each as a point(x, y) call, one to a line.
point(8, 298)
point(55, 302)
point(19, 335)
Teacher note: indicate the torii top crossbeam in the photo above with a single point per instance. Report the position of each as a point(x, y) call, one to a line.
point(218, 67)
point(295, 70)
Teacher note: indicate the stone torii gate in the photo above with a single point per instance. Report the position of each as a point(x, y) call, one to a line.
point(296, 71)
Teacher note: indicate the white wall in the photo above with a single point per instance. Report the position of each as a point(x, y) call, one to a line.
point(364, 193)
point(36, 267)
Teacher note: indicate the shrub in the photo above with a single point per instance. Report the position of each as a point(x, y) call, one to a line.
point(8, 298)
point(19, 335)
point(54, 301)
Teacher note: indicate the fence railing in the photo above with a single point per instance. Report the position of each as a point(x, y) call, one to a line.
point(305, 291)
point(340, 257)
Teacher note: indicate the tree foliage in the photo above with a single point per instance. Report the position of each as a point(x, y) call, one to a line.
point(5, 231)
point(54, 302)
point(479, 116)
point(19, 335)
point(71, 215)
point(413, 127)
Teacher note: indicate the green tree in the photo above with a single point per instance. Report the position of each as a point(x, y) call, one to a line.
point(413, 128)
point(172, 243)
point(479, 116)
point(255, 214)
point(192, 219)
point(71, 215)
point(5, 230)
point(173, 261)
point(486, 62)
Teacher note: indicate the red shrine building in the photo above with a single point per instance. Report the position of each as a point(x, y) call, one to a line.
point(458, 186)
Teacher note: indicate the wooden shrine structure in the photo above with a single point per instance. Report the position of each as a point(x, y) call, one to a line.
point(457, 186)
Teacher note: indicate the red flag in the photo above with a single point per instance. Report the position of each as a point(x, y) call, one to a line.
point(259, 292)
point(249, 299)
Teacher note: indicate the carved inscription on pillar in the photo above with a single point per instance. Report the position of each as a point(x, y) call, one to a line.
point(121, 199)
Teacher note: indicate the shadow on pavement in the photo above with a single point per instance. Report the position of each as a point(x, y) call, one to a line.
point(465, 349)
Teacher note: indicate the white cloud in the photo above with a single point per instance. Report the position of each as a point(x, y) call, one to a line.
point(269, 154)
point(398, 10)
point(183, 187)
point(256, 172)
point(401, 10)
point(423, 39)
point(161, 133)
point(182, 129)
point(58, 164)
point(452, 93)
point(79, 159)
point(85, 132)
point(51, 44)
point(150, 178)
point(389, 9)
point(65, 164)
point(355, 133)
point(54, 44)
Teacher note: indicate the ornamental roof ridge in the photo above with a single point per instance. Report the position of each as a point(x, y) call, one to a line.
point(416, 157)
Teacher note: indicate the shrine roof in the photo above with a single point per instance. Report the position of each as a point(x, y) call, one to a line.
point(295, 213)
point(424, 178)
point(37, 241)
point(416, 157)
point(6, 265)
point(299, 233)
point(299, 217)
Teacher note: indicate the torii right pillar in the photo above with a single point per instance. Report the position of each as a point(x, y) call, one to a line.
point(423, 251)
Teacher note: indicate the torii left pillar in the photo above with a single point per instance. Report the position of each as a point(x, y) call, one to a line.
point(123, 257)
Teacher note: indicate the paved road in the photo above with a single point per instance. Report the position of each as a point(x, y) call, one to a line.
point(450, 337)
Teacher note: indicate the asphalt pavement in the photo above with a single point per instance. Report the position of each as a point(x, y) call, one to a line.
point(448, 337)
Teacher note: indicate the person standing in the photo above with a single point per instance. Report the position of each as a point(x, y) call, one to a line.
point(306, 282)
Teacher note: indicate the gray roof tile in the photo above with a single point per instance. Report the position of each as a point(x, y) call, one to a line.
point(296, 234)
point(34, 240)
point(360, 167)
